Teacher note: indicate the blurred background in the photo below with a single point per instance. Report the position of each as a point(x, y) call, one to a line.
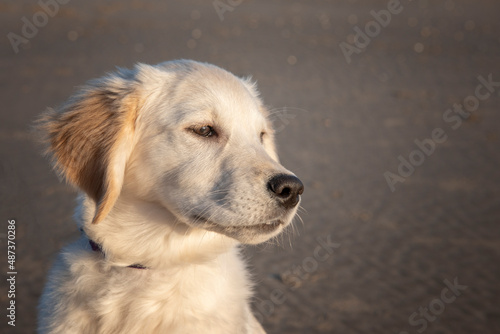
point(387, 110)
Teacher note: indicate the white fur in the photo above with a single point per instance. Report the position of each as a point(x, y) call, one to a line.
point(174, 187)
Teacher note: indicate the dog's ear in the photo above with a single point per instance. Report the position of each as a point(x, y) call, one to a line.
point(91, 137)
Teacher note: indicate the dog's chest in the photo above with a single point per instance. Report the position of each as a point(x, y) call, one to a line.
point(197, 296)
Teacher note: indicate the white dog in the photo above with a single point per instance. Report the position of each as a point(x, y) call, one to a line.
point(177, 166)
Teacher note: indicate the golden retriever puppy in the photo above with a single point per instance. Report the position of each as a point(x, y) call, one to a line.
point(177, 166)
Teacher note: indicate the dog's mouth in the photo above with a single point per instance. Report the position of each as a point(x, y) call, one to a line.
point(265, 228)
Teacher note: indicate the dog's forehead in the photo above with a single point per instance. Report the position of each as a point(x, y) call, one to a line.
point(209, 93)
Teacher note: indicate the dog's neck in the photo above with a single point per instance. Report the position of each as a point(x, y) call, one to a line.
point(143, 232)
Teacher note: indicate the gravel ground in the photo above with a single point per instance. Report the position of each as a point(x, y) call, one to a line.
point(380, 250)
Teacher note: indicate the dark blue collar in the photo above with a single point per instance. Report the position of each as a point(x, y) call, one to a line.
point(97, 248)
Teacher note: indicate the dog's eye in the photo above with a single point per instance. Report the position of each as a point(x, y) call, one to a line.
point(204, 131)
point(262, 136)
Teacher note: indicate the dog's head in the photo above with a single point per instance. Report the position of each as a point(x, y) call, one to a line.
point(190, 137)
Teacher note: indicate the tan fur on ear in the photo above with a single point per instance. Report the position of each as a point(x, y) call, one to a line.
point(91, 137)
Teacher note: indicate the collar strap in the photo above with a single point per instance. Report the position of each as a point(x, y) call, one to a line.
point(97, 248)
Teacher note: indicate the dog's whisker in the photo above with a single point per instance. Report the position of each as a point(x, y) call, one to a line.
point(300, 218)
point(301, 209)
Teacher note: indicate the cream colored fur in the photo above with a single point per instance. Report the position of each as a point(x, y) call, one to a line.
point(157, 193)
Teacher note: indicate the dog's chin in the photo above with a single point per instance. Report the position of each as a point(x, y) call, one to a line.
point(247, 234)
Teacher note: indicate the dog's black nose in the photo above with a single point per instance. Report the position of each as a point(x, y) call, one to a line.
point(286, 188)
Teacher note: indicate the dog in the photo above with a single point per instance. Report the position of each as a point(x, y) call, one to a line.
point(176, 167)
